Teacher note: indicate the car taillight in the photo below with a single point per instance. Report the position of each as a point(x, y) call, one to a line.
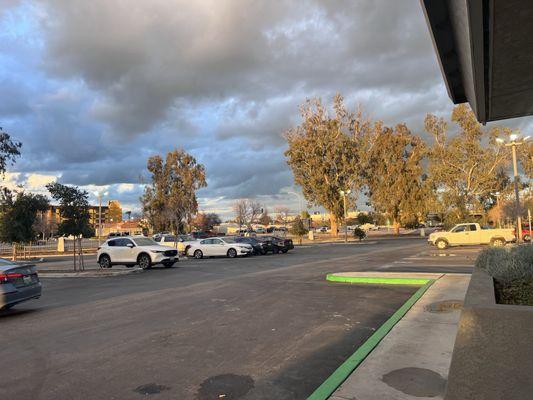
point(5, 277)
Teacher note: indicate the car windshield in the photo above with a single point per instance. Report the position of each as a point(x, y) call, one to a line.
point(229, 240)
point(145, 242)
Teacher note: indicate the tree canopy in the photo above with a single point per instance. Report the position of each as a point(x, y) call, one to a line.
point(20, 215)
point(247, 212)
point(205, 221)
point(466, 167)
point(393, 173)
point(74, 209)
point(324, 153)
point(169, 200)
point(9, 150)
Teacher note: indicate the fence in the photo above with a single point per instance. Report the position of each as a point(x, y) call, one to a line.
point(39, 249)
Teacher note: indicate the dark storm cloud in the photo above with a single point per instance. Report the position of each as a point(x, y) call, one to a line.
point(144, 56)
point(96, 87)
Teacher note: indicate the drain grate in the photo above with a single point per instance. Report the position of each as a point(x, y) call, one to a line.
point(444, 306)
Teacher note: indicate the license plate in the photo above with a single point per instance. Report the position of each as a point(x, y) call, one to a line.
point(27, 279)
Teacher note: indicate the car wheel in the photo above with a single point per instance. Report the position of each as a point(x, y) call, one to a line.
point(284, 251)
point(104, 261)
point(198, 254)
point(144, 261)
point(263, 252)
point(168, 264)
point(497, 242)
point(527, 238)
point(441, 244)
point(232, 253)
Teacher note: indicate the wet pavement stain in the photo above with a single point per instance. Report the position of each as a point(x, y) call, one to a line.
point(227, 387)
point(150, 388)
point(445, 306)
point(418, 382)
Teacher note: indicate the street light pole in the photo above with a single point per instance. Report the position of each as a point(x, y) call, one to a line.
point(517, 195)
point(99, 195)
point(514, 142)
point(99, 218)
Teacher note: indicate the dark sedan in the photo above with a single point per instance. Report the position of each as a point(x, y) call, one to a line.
point(18, 282)
point(276, 244)
point(258, 246)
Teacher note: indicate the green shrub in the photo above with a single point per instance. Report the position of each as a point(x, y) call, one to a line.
point(359, 233)
point(507, 265)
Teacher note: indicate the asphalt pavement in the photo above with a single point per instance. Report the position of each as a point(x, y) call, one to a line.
point(266, 327)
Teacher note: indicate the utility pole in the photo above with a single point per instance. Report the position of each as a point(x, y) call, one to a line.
point(343, 194)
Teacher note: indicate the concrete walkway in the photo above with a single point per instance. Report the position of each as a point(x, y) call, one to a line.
point(412, 361)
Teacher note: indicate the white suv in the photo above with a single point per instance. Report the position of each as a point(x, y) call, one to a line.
point(135, 250)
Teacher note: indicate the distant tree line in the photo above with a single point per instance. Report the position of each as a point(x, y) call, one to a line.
point(404, 176)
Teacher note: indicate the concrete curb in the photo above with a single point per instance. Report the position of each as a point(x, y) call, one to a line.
point(332, 383)
point(89, 274)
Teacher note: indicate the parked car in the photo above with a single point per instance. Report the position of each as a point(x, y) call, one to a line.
point(321, 229)
point(257, 246)
point(276, 245)
point(369, 227)
point(18, 282)
point(199, 235)
point(526, 233)
point(260, 229)
point(218, 246)
point(179, 242)
point(471, 234)
point(135, 250)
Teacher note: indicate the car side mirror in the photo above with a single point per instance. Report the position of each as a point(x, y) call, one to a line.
point(130, 245)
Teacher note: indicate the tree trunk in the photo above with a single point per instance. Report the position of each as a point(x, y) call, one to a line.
point(395, 227)
point(334, 225)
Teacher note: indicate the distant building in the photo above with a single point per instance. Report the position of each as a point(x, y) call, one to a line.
point(110, 213)
point(125, 228)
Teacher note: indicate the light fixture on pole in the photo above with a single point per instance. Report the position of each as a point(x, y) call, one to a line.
point(513, 142)
point(344, 193)
point(299, 201)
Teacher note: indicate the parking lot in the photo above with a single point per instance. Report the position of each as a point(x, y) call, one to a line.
point(252, 328)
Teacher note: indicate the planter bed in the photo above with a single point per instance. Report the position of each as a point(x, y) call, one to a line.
point(493, 353)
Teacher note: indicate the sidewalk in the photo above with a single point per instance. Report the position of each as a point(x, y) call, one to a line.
point(412, 361)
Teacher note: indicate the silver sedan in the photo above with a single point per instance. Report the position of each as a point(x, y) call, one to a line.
point(18, 282)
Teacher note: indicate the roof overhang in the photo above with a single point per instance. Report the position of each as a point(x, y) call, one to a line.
point(485, 52)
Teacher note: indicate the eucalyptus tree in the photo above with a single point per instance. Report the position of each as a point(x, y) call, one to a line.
point(169, 200)
point(324, 154)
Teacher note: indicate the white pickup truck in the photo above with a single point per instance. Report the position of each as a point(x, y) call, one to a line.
point(471, 234)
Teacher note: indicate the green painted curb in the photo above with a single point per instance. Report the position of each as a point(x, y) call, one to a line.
point(331, 384)
point(376, 280)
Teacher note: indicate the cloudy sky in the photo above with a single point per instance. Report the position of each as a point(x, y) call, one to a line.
point(93, 88)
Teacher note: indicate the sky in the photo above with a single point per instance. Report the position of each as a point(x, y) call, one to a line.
point(94, 88)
